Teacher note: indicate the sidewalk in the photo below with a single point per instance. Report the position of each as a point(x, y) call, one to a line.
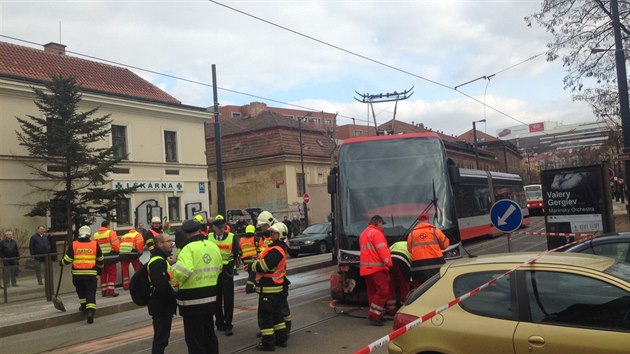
point(622, 222)
point(40, 314)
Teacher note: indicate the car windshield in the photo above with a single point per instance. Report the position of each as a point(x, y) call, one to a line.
point(316, 229)
point(620, 270)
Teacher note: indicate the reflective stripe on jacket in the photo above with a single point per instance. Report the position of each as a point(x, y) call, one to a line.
point(399, 251)
point(271, 268)
point(131, 244)
point(426, 242)
point(197, 271)
point(375, 255)
point(85, 257)
point(109, 244)
point(248, 247)
point(225, 245)
point(264, 242)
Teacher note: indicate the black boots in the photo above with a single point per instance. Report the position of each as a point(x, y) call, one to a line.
point(90, 315)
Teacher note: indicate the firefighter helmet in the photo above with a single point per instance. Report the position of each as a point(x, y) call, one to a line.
point(265, 217)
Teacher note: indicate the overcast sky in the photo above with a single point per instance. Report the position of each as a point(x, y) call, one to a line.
point(449, 42)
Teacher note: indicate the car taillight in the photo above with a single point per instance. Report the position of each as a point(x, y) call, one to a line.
point(402, 319)
point(528, 205)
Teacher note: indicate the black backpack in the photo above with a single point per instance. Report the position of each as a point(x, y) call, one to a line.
point(140, 286)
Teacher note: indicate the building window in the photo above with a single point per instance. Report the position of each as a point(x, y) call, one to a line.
point(123, 208)
point(236, 114)
point(317, 121)
point(328, 122)
point(170, 146)
point(300, 186)
point(119, 141)
point(290, 117)
point(58, 216)
point(173, 209)
point(358, 132)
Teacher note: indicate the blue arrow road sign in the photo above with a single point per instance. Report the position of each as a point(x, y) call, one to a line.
point(506, 215)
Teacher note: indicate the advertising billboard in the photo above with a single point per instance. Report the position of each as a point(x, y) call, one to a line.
point(576, 200)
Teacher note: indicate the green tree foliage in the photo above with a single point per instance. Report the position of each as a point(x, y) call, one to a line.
point(578, 27)
point(63, 143)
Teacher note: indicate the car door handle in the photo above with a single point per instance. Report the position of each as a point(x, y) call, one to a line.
point(536, 340)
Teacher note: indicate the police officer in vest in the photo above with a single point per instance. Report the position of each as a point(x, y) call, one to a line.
point(248, 253)
point(162, 303)
point(270, 270)
point(197, 271)
point(87, 261)
point(230, 250)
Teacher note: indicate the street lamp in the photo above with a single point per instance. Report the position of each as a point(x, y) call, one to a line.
point(475, 140)
point(305, 208)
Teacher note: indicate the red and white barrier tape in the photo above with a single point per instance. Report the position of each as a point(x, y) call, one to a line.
point(402, 330)
point(565, 234)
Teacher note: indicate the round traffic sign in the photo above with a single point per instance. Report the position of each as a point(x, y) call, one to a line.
point(506, 215)
point(306, 198)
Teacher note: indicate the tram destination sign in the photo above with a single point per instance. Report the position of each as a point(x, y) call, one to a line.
point(150, 186)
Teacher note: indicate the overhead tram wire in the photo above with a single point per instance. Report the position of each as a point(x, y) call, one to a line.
point(185, 79)
point(374, 60)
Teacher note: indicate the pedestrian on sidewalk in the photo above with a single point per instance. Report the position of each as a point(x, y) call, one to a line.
point(110, 246)
point(86, 258)
point(374, 263)
point(40, 245)
point(230, 250)
point(162, 305)
point(270, 270)
point(131, 248)
point(425, 243)
point(197, 272)
point(10, 254)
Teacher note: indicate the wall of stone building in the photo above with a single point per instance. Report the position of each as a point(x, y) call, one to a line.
point(145, 124)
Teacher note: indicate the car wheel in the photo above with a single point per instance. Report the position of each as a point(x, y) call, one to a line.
point(322, 247)
point(294, 254)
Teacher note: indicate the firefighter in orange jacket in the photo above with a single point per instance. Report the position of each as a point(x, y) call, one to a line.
point(375, 260)
point(110, 246)
point(248, 254)
point(87, 261)
point(131, 248)
point(271, 268)
point(425, 243)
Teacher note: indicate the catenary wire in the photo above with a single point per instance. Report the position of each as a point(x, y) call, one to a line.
point(373, 60)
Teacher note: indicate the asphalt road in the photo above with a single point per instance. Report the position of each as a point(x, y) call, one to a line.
point(319, 325)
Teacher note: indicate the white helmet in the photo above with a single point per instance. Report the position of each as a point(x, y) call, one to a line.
point(156, 219)
point(85, 231)
point(265, 217)
point(282, 229)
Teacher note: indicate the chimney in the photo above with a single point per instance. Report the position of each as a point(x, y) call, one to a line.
point(255, 108)
point(55, 48)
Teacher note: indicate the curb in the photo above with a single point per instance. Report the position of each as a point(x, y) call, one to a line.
point(71, 317)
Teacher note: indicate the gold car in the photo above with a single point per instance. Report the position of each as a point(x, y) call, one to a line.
point(562, 303)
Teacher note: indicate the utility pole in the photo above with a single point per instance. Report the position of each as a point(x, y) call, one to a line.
point(475, 140)
point(304, 205)
point(622, 82)
point(217, 146)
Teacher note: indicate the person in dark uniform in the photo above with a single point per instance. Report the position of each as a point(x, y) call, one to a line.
point(162, 305)
point(270, 270)
point(87, 262)
point(230, 251)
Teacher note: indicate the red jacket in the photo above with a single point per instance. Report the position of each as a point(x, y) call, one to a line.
point(375, 254)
